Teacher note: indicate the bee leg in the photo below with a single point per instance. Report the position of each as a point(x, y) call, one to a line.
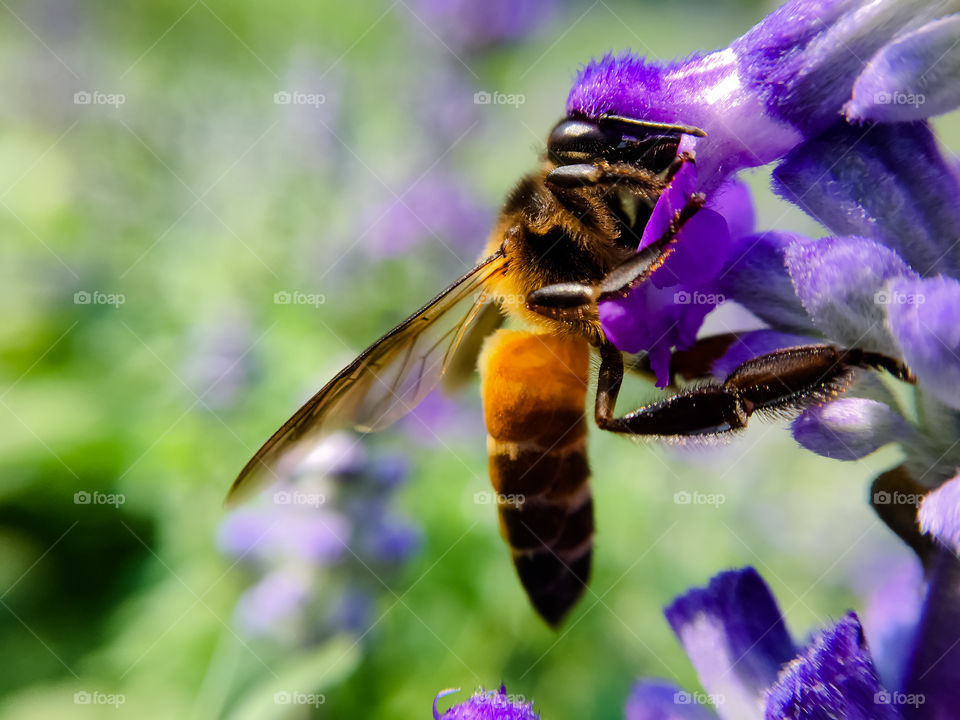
point(706, 410)
point(789, 379)
point(584, 174)
point(581, 175)
point(576, 301)
point(564, 301)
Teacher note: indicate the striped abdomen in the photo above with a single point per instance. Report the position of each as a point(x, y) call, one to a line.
point(534, 390)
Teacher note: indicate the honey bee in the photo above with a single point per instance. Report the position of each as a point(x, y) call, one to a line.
point(565, 240)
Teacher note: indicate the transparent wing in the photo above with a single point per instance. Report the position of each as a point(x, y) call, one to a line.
point(383, 384)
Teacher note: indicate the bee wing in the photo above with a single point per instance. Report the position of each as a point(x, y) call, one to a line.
point(383, 384)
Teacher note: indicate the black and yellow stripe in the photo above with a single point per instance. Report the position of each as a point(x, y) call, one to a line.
point(534, 392)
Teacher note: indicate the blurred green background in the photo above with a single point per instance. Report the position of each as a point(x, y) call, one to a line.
point(156, 193)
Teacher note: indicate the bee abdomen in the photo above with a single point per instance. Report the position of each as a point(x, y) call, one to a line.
point(534, 389)
point(546, 517)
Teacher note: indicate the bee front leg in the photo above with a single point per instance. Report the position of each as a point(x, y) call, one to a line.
point(581, 175)
point(565, 301)
point(577, 301)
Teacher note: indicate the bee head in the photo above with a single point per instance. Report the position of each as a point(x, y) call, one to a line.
point(613, 138)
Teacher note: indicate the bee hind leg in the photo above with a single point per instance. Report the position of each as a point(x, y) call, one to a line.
point(789, 379)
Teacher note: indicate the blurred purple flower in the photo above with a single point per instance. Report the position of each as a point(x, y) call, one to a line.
point(891, 616)
point(486, 705)
point(734, 634)
point(309, 100)
point(443, 105)
point(268, 607)
point(437, 208)
point(474, 25)
point(219, 365)
point(320, 543)
point(304, 531)
point(440, 418)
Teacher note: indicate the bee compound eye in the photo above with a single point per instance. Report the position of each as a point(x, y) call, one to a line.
point(575, 141)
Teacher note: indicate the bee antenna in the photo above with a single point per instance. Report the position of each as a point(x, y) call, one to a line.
point(651, 125)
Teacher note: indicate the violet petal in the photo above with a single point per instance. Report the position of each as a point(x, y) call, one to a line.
point(660, 700)
point(735, 636)
point(276, 599)
point(888, 182)
point(243, 531)
point(734, 202)
point(669, 310)
point(833, 678)
point(755, 275)
point(487, 705)
point(923, 319)
point(787, 77)
point(703, 91)
point(806, 55)
point(655, 320)
point(914, 77)
point(891, 616)
point(841, 283)
point(939, 514)
point(932, 689)
point(671, 201)
point(849, 428)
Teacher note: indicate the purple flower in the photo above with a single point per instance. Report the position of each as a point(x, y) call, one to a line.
point(823, 89)
point(486, 705)
point(472, 25)
point(891, 616)
point(273, 606)
point(220, 363)
point(886, 282)
point(939, 514)
point(436, 209)
point(734, 634)
point(440, 419)
point(779, 93)
point(318, 544)
point(668, 311)
point(785, 80)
